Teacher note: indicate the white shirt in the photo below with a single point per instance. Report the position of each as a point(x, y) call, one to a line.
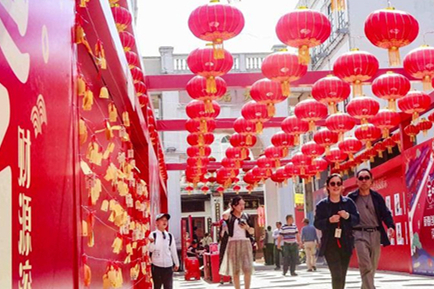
point(162, 255)
point(276, 234)
point(239, 233)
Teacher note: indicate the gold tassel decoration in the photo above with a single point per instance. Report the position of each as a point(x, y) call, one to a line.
point(218, 49)
point(82, 131)
point(385, 132)
point(303, 55)
point(415, 116)
point(108, 131)
point(277, 163)
point(100, 55)
point(332, 108)
point(79, 34)
point(87, 275)
point(113, 112)
point(327, 150)
point(368, 144)
point(258, 127)
point(126, 119)
point(103, 93)
point(286, 88)
point(426, 82)
point(338, 5)
point(81, 85)
point(83, 3)
point(394, 57)
point(271, 109)
point(200, 140)
point(203, 127)
point(88, 100)
point(357, 88)
point(209, 108)
point(249, 139)
point(392, 104)
point(296, 140)
point(312, 126)
point(211, 85)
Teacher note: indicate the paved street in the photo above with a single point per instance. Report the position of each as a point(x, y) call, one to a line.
point(266, 277)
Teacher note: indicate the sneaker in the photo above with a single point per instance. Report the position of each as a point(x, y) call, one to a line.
point(294, 274)
point(309, 270)
point(314, 268)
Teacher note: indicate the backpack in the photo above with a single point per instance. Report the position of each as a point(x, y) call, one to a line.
point(170, 238)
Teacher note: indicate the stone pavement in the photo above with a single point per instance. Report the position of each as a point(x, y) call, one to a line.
point(266, 277)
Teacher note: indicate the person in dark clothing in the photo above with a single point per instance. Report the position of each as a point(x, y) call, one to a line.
point(369, 235)
point(335, 216)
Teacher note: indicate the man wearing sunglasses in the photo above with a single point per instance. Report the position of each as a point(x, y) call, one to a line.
point(370, 234)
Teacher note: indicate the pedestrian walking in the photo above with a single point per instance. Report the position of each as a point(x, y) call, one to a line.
point(164, 258)
point(224, 237)
point(309, 239)
point(291, 240)
point(277, 244)
point(238, 258)
point(370, 234)
point(335, 216)
point(268, 246)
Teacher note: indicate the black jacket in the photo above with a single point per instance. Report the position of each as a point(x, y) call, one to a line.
point(383, 213)
point(323, 213)
point(231, 222)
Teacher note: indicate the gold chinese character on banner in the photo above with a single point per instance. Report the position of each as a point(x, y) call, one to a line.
point(25, 276)
point(25, 219)
point(24, 144)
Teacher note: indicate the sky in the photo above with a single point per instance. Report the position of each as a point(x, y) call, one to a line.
point(165, 23)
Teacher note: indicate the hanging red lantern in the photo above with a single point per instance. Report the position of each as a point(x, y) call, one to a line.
point(312, 149)
point(275, 154)
point(202, 62)
point(224, 177)
point(412, 131)
point(236, 189)
point(251, 179)
point(137, 75)
point(195, 151)
point(132, 59)
point(386, 120)
point(391, 29)
point(283, 140)
point(295, 127)
point(260, 174)
point(318, 165)
point(216, 23)
point(256, 113)
point(391, 87)
point(326, 138)
point(302, 161)
point(189, 189)
point(331, 90)
point(419, 63)
point(340, 123)
point(367, 133)
point(389, 143)
point(431, 117)
point(245, 127)
point(292, 170)
point(265, 163)
point(371, 154)
point(195, 126)
point(363, 108)
point(356, 67)
point(424, 125)
point(196, 110)
point(236, 154)
point(196, 88)
point(231, 164)
point(198, 162)
point(311, 111)
point(204, 189)
point(122, 17)
point(379, 148)
point(200, 140)
point(336, 156)
point(267, 92)
point(414, 103)
point(127, 40)
point(240, 141)
point(350, 146)
point(140, 89)
point(279, 176)
point(283, 67)
point(303, 28)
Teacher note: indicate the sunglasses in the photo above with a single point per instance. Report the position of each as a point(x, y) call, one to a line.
point(365, 178)
point(337, 184)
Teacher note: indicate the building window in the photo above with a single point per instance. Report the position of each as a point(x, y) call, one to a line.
point(192, 206)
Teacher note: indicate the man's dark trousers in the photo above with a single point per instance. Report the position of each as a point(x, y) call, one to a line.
point(162, 277)
point(290, 257)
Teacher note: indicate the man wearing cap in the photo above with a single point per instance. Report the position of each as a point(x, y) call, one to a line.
point(163, 254)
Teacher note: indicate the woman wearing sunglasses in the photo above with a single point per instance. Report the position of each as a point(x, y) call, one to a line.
point(335, 216)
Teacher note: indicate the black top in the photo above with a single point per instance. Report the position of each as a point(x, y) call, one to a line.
point(231, 222)
point(324, 210)
point(382, 211)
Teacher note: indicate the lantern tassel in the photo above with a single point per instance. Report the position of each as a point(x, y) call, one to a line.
point(341, 136)
point(394, 57)
point(211, 85)
point(392, 104)
point(203, 126)
point(389, 149)
point(332, 108)
point(199, 162)
point(380, 154)
point(337, 166)
point(271, 109)
point(371, 159)
point(258, 127)
point(303, 55)
point(296, 140)
point(338, 5)
point(218, 49)
point(209, 108)
point(200, 140)
point(385, 133)
point(249, 139)
point(415, 116)
point(285, 151)
point(318, 175)
point(312, 126)
point(286, 88)
point(243, 153)
point(327, 150)
point(277, 163)
point(357, 88)
point(426, 82)
point(351, 155)
point(201, 151)
point(368, 144)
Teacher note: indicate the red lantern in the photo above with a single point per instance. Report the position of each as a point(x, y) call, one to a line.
point(283, 140)
point(196, 88)
point(195, 151)
point(326, 138)
point(431, 117)
point(196, 110)
point(391, 29)
point(336, 156)
point(137, 75)
point(415, 102)
point(140, 88)
point(318, 165)
point(303, 29)
point(275, 154)
point(240, 141)
point(295, 127)
point(367, 133)
point(350, 146)
point(224, 176)
point(340, 123)
point(267, 92)
point(216, 22)
point(195, 126)
point(256, 113)
point(202, 62)
point(245, 127)
point(198, 162)
point(412, 131)
point(236, 189)
point(237, 154)
point(279, 176)
point(355, 67)
point(292, 170)
point(419, 63)
point(231, 164)
point(312, 149)
point(311, 111)
point(391, 86)
point(389, 143)
point(200, 140)
point(371, 154)
point(122, 17)
point(132, 59)
point(283, 67)
point(251, 179)
point(205, 189)
point(379, 148)
point(424, 125)
point(386, 120)
point(302, 161)
point(261, 174)
point(127, 39)
point(363, 108)
point(330, 90)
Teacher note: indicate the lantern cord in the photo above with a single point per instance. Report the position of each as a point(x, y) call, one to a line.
point(424, 36)
point(389, 3)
